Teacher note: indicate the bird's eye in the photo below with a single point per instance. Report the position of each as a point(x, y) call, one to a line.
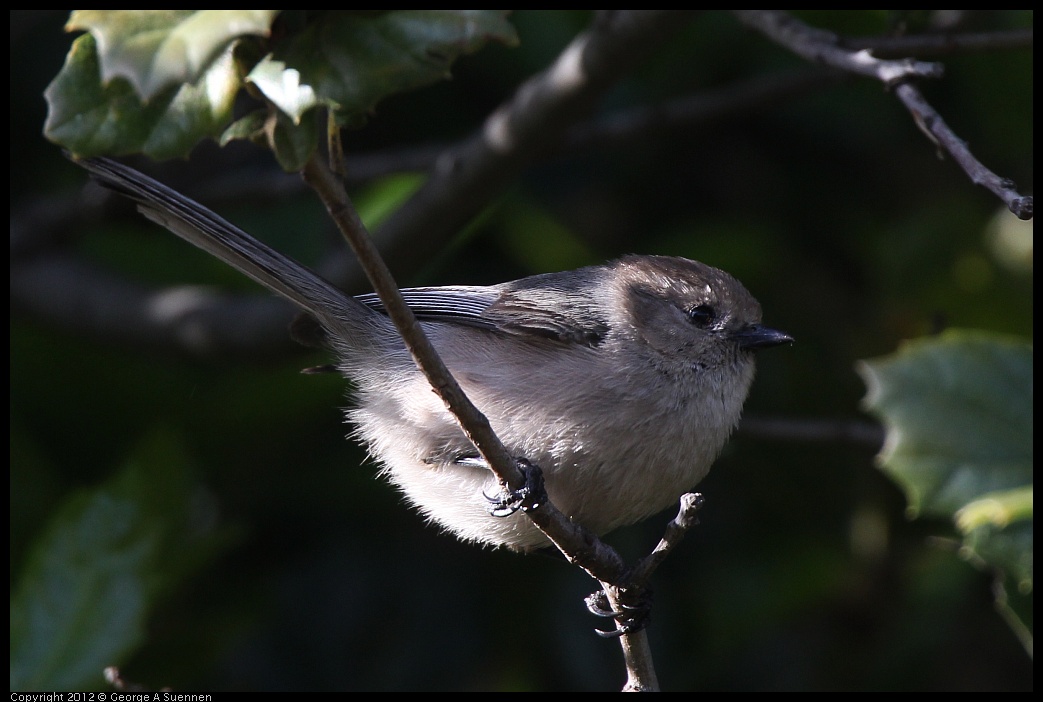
point(701, 315)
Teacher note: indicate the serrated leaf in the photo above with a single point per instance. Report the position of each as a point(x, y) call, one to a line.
point(91, 119)
point(283, 87)
point(249, 126)
point(958, 414)
point(997, 509)
point(157, 81)
point(293, 144)
point(155, 50)
point(349, 62)
point(91, 579)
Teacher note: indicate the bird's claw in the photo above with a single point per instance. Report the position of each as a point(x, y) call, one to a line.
point(528, 497)
point(632, 616)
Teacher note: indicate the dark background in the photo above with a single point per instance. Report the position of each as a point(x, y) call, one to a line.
point(830, 206)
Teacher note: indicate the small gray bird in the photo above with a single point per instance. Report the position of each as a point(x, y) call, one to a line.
point(622, 382)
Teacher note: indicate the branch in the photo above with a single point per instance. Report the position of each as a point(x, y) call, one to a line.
point(687, 517)
point(534, 123)
point(932, 124)
point(622, 125)
point(66, 292)
point(821, 46)
point(697, 110)
point(475, 425)
point(857, 432)
point(464, 179)
point(641, 675)
point(824, 47)
point(579, 546)
point(940, 44)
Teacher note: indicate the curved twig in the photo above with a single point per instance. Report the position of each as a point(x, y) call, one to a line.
point(825, 47)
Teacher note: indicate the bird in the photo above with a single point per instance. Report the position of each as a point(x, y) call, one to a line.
point(621, 381)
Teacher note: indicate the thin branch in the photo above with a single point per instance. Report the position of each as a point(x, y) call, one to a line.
point(940, 44)
point(821, 46)
point(692, 111)
point(578, 545)
point(637, 654)
point(641, 675)
point(824, 47)
point(475, 424)
point(463, 180)
point(935, 127)
point(855, 432)
point(687, 517)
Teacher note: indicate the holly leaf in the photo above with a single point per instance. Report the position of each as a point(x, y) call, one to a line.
point(94, 575)
point(158, 81)
point(157, 49)
point(90, 117)
point(958, 413)
point(350, 61)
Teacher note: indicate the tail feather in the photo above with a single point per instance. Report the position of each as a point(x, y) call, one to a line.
point(201, 227)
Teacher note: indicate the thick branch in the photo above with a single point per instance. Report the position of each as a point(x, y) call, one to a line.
point(468, 176)
point(66, 292)
point(693, 111)
point(464, 180)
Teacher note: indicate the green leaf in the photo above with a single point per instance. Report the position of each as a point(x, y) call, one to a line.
point(534, 236)
point(293, 144)
point(92, 577)
point(349, 61)
point(997, 509)
point(958, 414)
point(283, 87)
point(158, 49)
point(380, 199)
point(91, 118)
point(958, 410)
point(158, 81)
point(250, 127)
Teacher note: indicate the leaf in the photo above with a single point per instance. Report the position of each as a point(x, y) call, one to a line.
point(350, 61)
point(91, 118)
point(158, 81)
point(92, 578)
point(158, 49)
point(293, 144)
point(380, 199)
point(958, 414)
point(283, 87)
point(958, 410)
point(250, 127)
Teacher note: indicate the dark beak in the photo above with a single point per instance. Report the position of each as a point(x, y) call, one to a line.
point(756, 336)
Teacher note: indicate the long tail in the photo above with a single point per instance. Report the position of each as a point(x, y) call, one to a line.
point(210, 232)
